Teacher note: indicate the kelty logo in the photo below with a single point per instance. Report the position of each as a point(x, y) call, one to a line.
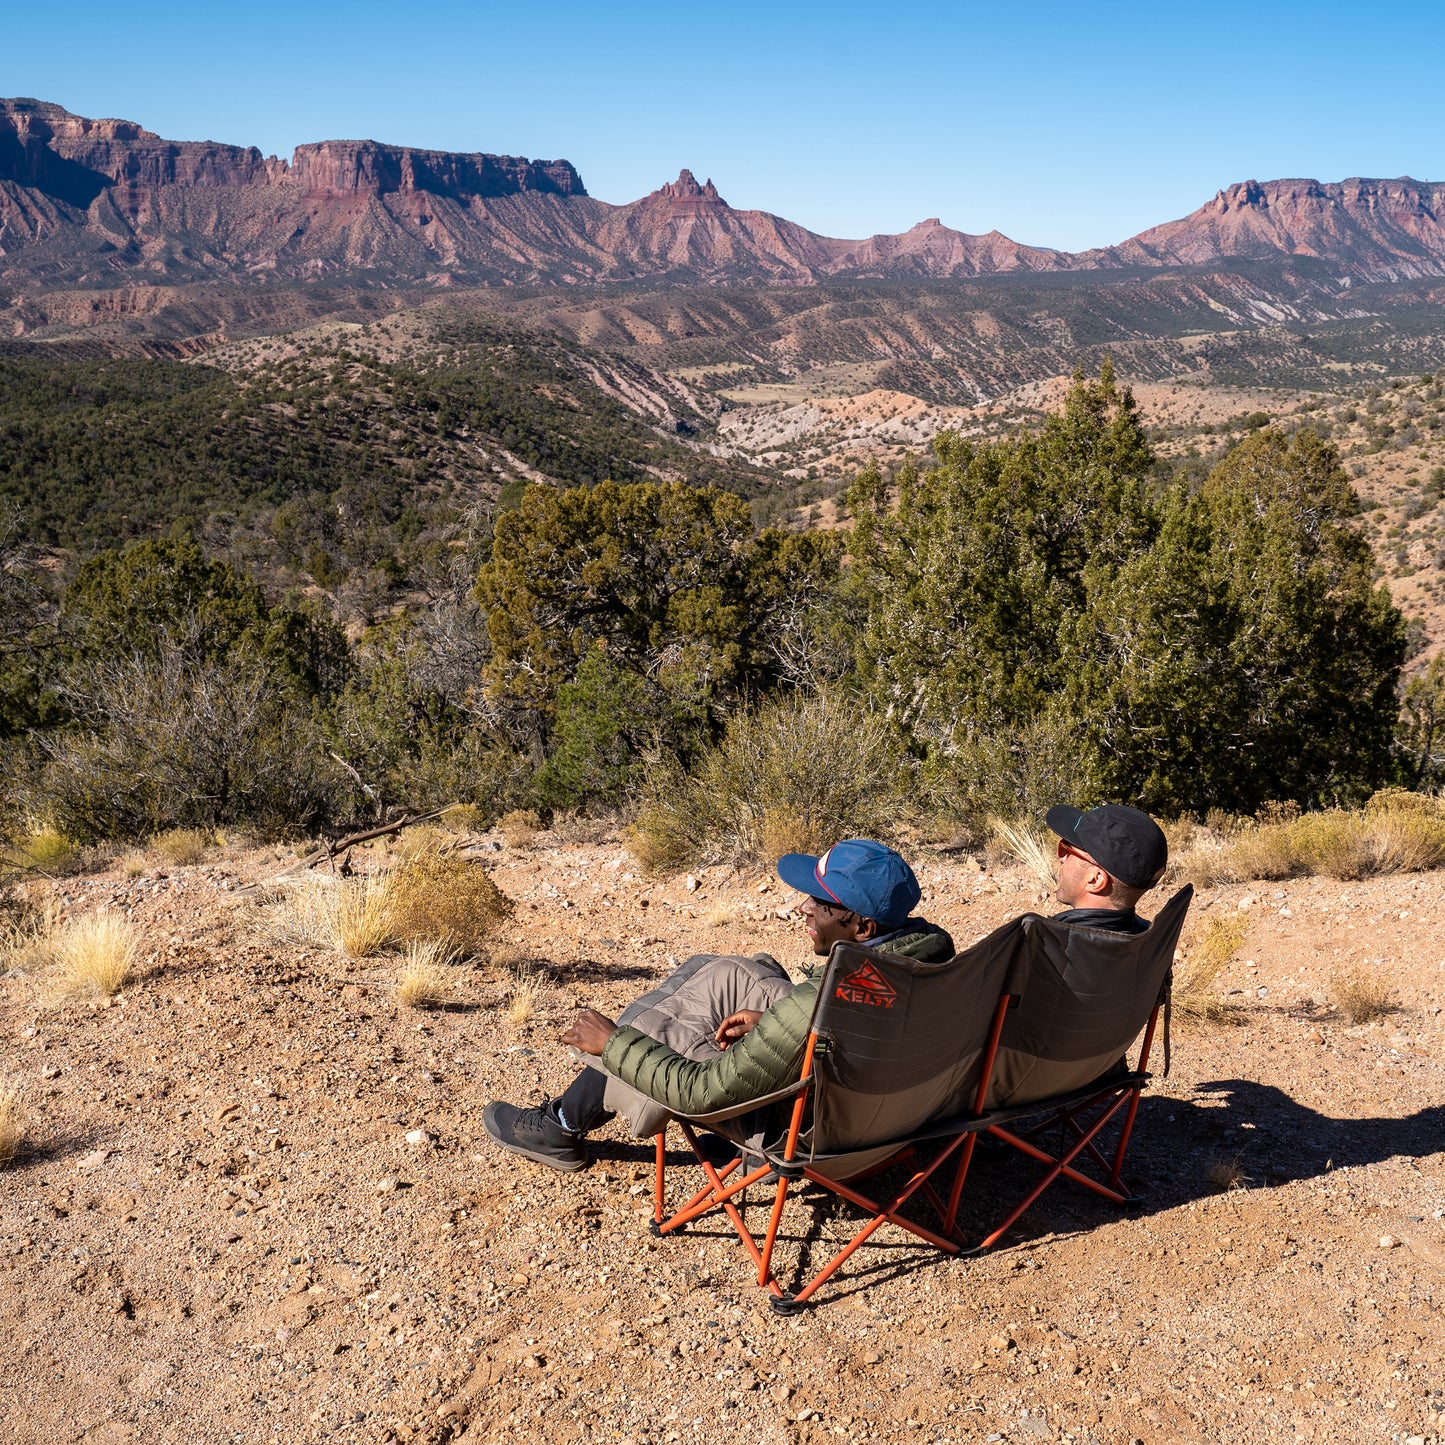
point(868, 986)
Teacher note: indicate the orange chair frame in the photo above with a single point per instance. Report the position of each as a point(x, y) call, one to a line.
point(724, 1184)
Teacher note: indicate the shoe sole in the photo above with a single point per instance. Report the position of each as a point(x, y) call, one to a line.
point(549, 1160)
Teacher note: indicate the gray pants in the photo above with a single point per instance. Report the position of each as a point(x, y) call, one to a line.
point(684, 1012)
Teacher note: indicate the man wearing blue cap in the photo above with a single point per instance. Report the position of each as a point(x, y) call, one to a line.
point(721, 1031)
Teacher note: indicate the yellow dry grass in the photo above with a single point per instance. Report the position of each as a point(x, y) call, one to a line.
point(446, 898)
point(181, 847)
point(427, 979)
point(1227, 1172)
point(350, 916)
point(519, 828)
point(1196, 982)
point(94, 953)
point(719, 916)
point(1360, 995)
point(1034, 850)
point(521, 1001)
point(434, 897)
point(26, 944)
point(1396, 832)
point(133, 864)
point(12, 1123)
point(41, 848)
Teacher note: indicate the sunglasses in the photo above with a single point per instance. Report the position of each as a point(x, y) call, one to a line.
point(1065, 848)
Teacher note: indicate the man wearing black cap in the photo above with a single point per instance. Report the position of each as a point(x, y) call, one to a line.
point(721, 1031)
point(1109, 857)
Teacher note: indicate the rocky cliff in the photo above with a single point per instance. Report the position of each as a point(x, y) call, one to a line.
point(95, 203)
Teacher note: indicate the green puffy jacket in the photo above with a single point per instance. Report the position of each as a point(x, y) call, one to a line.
point(768, 1057)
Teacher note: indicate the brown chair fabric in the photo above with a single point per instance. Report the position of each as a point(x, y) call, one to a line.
point(904, 1040)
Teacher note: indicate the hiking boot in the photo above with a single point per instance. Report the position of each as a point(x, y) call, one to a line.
point(535, 1134)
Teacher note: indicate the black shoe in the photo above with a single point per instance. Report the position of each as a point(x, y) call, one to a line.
point(535, 1134)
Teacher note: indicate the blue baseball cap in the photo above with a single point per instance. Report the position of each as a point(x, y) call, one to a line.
point(858, 874)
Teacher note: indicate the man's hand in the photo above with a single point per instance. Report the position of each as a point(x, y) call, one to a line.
point(589, 1031)
point(736, 1026)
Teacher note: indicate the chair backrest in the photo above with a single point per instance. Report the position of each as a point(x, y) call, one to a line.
point(906, 1040)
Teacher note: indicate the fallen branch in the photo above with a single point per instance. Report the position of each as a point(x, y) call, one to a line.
point(328, 851)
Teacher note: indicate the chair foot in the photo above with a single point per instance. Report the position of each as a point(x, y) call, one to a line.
point(785, 1304)
point(653, 1227)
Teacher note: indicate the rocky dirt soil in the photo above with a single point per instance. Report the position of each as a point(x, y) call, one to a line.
point(221, 1230)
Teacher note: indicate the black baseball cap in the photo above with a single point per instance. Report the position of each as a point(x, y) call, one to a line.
point(1127, 844)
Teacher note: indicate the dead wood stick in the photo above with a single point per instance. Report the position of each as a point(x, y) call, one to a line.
point(329, 850)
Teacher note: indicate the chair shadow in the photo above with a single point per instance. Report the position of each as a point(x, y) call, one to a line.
point(1275, 1139)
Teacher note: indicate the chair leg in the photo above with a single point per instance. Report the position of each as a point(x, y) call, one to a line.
point(658, 1196)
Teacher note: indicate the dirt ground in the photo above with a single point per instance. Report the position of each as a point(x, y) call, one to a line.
point(221, 1232)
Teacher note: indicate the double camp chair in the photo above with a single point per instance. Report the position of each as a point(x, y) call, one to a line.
point(1020, 1038)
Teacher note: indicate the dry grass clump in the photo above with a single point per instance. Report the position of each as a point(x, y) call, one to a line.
point(181, 847)
point(426, 978)
point(352, 916)
point(1396, 832)
point(27, 940)
point(41, 848)
point(133, 865)
point(1227, 1173)
point(795, 774)
point(12, 1123)
point(1034, 849)
point(446, 898)
point(1360, 995)
point(719, 916)
point(519, 828)
point(1196, 992)
point(434, 897)
point(94, 953)
point(521, 1001)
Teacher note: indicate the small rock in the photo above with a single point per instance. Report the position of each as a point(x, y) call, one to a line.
point(1316, 1037)
point(418, 1138)
point(808, 1415)
point(532, 1362)
point(388, 1185)
point(519, 1278)
point(1388, 1241)
point(1245, 903)
point(782, 1393)
point(872, 1358)
point(50, 1072)
point(999, 1342)
point(692, 884)
point(448, 1410)
point(94, 1159)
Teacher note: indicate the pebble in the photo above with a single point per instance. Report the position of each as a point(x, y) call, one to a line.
point(94, 1159)
point(418, 1138)
point(388, 1185)
point(532, 1362)
point(1388, 1241)
point(50, 1072)
point(692, 884)
point(519, 1278)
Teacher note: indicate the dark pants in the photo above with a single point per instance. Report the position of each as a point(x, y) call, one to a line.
point(581, 1102)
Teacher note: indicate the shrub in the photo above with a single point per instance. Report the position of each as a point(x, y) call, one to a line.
point(519, 828)
point(181, 847)
point(351, 916)
point(172, 741)
point(94, 953)
point(41, 848)
point(1396, 833)
point(446, 899)
point(796, 774)
point(1360, 995)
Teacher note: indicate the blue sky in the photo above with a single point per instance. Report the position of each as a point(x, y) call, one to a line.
point(1066, 125)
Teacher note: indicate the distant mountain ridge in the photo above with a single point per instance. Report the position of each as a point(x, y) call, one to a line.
point(105, 203)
